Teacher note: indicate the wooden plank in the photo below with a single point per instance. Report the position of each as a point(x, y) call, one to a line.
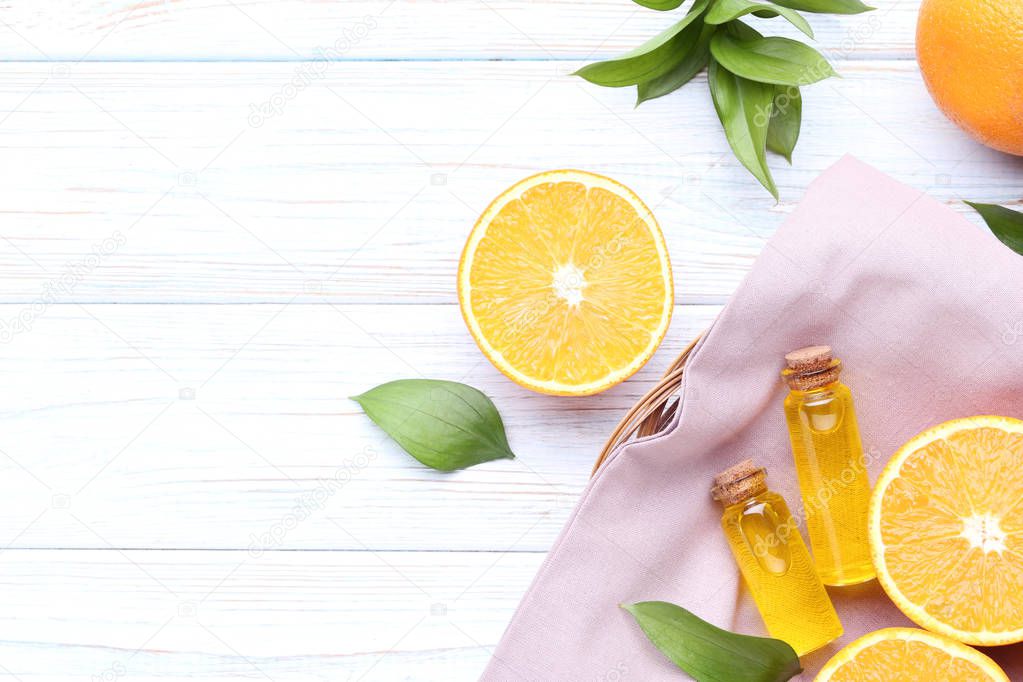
point(386, 29)
point(185, 615)
point(363, 187)
point(228, 426)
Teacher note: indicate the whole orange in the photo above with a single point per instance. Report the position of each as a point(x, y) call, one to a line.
point(971, 56)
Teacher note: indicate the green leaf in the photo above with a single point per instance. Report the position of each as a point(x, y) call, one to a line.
point(1004, 222)
point(695, 59)
point(786, 117)
point(827, 6)
point(661, 5)
point(443, 424)
point(724, 11)
point(781, 61)
point(743, 31)
point(710, 654)
point(744, 107)
point(651, 60)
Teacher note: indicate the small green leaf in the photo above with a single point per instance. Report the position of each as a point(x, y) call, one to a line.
point(827, 6)
point(661, 5)
point(710, 654)
point(1004, 222)
point(651, 60)
point(443, 424)
point(781, 61)
point(724, 11)
point(786, 118)
point(744, 107)
point(693, 62)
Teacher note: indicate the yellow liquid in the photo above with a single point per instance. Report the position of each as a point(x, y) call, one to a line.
point(778, 571)
point(833, 480)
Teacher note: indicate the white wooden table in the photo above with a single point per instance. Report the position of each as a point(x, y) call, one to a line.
point(211, 237)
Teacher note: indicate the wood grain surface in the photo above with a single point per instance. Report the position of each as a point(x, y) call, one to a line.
point(220, 218)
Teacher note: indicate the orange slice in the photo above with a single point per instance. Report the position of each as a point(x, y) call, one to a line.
point(909, 655)
point(946, 529)
point(565, 283)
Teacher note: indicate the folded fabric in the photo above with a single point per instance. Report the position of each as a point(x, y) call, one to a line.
point(924, 308)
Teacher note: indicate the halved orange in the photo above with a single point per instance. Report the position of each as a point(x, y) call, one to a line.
point(946, 529)
point(565, 283)
point(909, 655)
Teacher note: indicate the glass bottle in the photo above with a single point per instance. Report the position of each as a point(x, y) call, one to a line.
point(775, 564)
point(830, 465)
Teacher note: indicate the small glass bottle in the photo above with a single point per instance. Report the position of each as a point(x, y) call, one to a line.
point(775, 564)
point(830, 465)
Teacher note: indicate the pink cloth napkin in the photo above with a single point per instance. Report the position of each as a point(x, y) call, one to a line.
point(924, 308)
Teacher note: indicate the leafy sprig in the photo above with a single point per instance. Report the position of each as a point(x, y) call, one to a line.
point(755, 80)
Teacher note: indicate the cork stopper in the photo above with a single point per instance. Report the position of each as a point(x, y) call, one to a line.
point(811, 367)
point(809, 359)
point(738, 483)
